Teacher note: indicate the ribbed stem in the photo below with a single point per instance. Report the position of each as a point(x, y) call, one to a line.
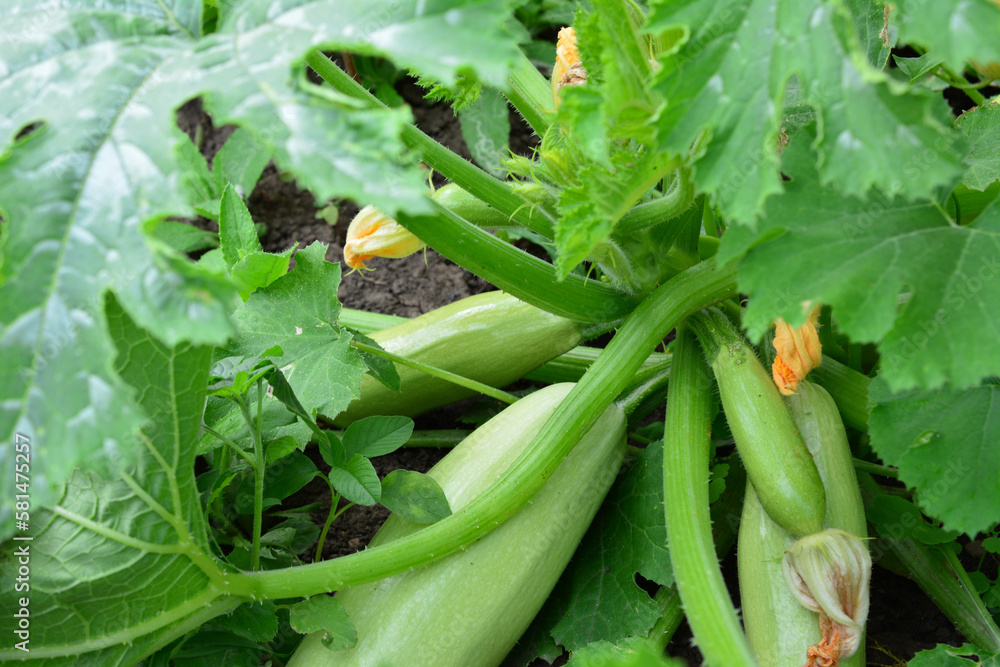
point(671, 205)
point(493, 191)
point(516, 272)
point(530, 93)
point(645, 394)
point(686, 446)
point(656, 316)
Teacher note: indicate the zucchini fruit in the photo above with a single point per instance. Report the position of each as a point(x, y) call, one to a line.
point(469, 608)
point(779, 629)
point(492, 338)
point(776, 459)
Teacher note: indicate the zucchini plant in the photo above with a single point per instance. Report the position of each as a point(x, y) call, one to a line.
point(703, 171)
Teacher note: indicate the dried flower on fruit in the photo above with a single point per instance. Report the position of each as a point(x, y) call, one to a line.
point(828, 573)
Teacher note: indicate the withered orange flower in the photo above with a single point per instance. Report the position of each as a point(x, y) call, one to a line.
point(568, 69)
point(798, 352)
point(374, 234)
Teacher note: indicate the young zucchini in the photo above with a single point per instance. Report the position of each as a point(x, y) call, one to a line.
point(779, 629)
point(493, 338)
point(468, 609)
point(777, 462)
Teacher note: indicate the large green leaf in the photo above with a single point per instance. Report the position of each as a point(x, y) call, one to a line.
point(955, 30)
point(628, 537)
point(982, 126)
point(895, 272)
point(298, 313)
point(730, 80)
point(88, 155)
point(944, 444)
point(122, 564)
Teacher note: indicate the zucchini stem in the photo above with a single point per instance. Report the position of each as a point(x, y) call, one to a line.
point(493, 191)
point(686, 447)
point(530, 93)
point(688, 292)
point(439, 373)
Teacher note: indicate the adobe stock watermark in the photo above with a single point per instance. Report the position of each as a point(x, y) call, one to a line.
point(22, 553)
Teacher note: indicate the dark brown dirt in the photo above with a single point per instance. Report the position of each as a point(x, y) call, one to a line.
point(902, 620)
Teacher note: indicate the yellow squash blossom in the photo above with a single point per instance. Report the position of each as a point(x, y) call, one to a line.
point(798, 352)
point(374, 234)
point(568, 70)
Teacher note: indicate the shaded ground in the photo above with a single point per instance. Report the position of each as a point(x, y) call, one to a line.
point(902, 620)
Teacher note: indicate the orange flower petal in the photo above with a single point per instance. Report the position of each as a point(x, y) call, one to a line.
point(798, 352)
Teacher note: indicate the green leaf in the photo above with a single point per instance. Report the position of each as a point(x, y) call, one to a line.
point(357, 481)
point(379, 368)
point(915, 68)
point(943, 655)
point(944, 444)
point(183, 237)
point(240, 161)
point(280, 448)
point(982, 126)
point(99, 83)
point(486, 130)
point(633, 652)
point(414, 496)
point(197, 182)
point(730, 79)
point(894, 272)
point(287, 475)
point(257, 621)
point(326, 614)
point(128, 553)
point(259, 269)
point(237, 235)
point(299, 312)
point(955, 31)
point(871, 23)
point(376, 436)
point(627, 537)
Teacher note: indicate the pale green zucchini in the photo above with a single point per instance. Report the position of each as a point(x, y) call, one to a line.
point(468, 609)
point(776, 459)
point(779, 629)
point(492, 338)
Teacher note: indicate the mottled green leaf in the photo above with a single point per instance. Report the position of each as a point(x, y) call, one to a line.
point(894, 272)
point(730, 77)
point(89, 154)
point(982, 126)
point(127, 553)
point(944, 444)
point(955, 30)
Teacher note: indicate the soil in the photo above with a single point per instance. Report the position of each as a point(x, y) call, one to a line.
point(902, 619)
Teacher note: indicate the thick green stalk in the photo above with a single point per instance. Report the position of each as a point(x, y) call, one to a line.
point(493, 191)
point(645, 393)
point(943, 579)
point(686, 445)
point(656, 316)
point(658, 210)
point(530, 93)
point(516, 272)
